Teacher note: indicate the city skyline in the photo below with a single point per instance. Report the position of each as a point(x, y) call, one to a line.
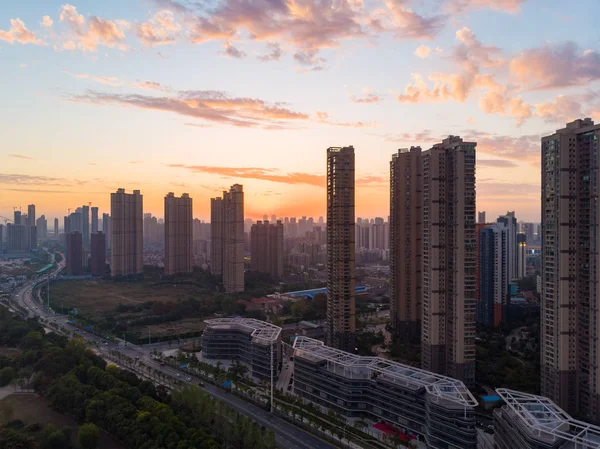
point(455, 72)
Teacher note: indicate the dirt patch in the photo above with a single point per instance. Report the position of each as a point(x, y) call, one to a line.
point(32, 409)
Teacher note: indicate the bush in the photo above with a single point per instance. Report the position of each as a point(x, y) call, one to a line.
point(15, 424)
point(6, 376)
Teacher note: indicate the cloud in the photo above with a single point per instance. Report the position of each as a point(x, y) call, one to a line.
point(231, 51)
point(422, 51)
point(212, 106)
point(563, 109)
point(20, 156)
point(19, 33)
point(151, 85)
point(368, 97)
point(471, 120)
point(264, 174)
point(556, 66)
point(495, 163)
point(510, 6)
point(47, 22)
point(525, 148)
point(273, 52)
point(419, 138)
point(309, 58)
point(105, 80)
point(86, 35)
point(161, 29)
point(405, 23)
point(198, 125)
point(21, 179)
point(36, 190)
point(325, 118)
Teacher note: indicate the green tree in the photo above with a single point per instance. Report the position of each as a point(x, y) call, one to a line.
point(6, 376)
point(88, 436)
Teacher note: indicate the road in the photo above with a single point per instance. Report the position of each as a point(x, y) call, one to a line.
point(287, 435)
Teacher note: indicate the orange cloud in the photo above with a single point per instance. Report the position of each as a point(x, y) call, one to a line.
point(274, 52)
point(563, 109)
point(422, 51)
point(20, 156)
point(325, 118)
point(367, 98)
point(151, 85)
point(264, 174)
point(231, 51)
point(88, 34)
point(510, 6)
point(161, 29)
point(106, 80)
point(19, 33)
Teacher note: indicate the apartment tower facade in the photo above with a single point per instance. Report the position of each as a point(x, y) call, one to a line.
point(406, 168)
point(449, 259)
point(570, 311)
point(97, 253)
point(74, 253)
point(227, 234)
point(126, 233)
point(493, 274)
point(341, 232)
point(266, 248)
point(178, 234)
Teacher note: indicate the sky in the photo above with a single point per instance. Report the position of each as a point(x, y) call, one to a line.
point(194, 96)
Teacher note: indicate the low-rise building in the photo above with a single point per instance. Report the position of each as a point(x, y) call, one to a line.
point(438, 409)
point(253, 342)
point(528, 421)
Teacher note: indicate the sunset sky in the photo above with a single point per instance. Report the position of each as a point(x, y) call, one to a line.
point(194, 96)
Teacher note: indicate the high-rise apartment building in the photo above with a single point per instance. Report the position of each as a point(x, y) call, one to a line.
point(94, 219)
point(178, 234)
point(98, 254)
point(56, 228)
point(481, 217)
point(41, 227)
point(493, 274)
point(341, 307)
point(521, 255)
point(266, 248)
point(510, 222)
point(74, 254)
point(18, 237)
point(106, 231)
point(227, 234)
point(85, 226)
point(17, 217)
point(570, 302)
point(126, 233)
point(406, 169)
point(151, 229)
point(449, 259)
point(31, 215)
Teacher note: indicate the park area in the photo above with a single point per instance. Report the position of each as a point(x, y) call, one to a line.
point(35, 414)
point(166, 310)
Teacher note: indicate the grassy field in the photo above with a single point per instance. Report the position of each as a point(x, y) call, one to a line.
point(98, 300)
point(32, 409)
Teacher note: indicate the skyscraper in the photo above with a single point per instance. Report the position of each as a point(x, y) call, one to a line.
point(94, 219)
point(17, 217)
point(227, 234)
point(406, 182)
point(481, 217)
point(341, 308)
point(98, 254)
point(449, 259)
point(521, 255)
point(31, 214)
point(266, 248)
point(510, 222)
point(41, 227)
point(74, 254)
point(126, 233)
point(85, 226)
point(106, 231)
point(493, 274)
point(178, 234)
point(570, 307)
point(56, 228)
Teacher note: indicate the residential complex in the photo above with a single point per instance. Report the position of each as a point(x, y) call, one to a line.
point(341, 325)
point(266, 248)
point(253, 342)
point(570, 311)
point(528, 421)
point(126, 233)
point(227, 234)
point(449, 259)
point(178, 234)
point(405, 243)
point(437, 409)
point(493, 274)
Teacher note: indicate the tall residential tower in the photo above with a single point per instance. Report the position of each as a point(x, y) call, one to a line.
point(178, 234)
point(126, 233)
point(341, 308)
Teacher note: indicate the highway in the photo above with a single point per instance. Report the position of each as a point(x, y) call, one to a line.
point(286, 435)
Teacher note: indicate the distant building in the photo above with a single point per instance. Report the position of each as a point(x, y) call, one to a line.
point(481, 217)
point(41, 227)
point(94, 219)
point(85, 226)
point(266, 248)
point(448, 320)
point(227, 234)
point(178, 234)
point(18, 237)
point(17, 217)
point(31, 215)
point(493, 274)
point(341, 307)
point(74, 253)
point(98, 254)
point(56, 228)
point(151, 229)
point(406, 170)
point(106, 231)
point(521, 255)
point(126, 233)
point(510, 222)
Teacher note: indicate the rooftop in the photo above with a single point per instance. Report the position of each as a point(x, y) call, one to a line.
point(443, 387)
point(260, 331)
point(544, 417)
